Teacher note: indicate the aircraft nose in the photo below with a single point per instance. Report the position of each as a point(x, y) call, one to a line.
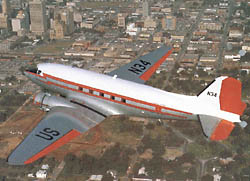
point(26, 73)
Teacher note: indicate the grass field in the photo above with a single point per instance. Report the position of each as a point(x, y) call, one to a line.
point(54, 47)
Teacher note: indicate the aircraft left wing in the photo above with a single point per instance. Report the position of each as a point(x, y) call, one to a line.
point(58, 127)
point(141, 69)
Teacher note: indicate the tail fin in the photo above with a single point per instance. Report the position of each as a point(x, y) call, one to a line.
point(224, 93)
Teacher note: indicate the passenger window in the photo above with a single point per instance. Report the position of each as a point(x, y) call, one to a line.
point(113, 97)
point(107, 96)
point(123, 100)
point(96, 93)
point(39, 72)
point(101, 94)
point(90, 91)
point(80, 88)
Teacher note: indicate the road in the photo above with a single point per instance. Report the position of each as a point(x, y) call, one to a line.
point(178, 133)
point(187, 38)
point(203, 167)
point(222, 45)
point(57, 171)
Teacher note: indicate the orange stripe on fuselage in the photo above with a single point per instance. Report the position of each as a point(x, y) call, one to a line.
point(111, 100)
point(157, 107)
point(61, 141)
point(152, 69)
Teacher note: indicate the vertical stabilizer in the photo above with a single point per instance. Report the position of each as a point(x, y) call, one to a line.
point(223, 94)
point(230, 96)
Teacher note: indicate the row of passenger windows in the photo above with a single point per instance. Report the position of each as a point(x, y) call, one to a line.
point(106, 95)
point(102, 94)
point(117, 98)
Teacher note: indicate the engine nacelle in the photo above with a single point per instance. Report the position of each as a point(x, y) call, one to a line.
point(46, 101)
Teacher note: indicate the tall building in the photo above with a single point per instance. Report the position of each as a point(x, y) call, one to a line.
point(21, 22)
point(67, 17)
point(17, 4)
point(4, 21)
point(63, 24)
point(169, 23)
point(6, 7)
point(38, 17)
point(150, 23)
point(121, 20)
point(145, 9)
point(4, 16)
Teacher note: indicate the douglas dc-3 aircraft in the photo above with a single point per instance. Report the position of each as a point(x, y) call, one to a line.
point(87, 98)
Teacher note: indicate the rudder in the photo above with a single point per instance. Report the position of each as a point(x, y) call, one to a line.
point(230, 96)
point(225, 94)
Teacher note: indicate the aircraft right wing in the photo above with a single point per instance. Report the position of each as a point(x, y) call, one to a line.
point(58, 127)
point(141, 69)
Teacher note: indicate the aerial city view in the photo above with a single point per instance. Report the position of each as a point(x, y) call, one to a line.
point(135, 90)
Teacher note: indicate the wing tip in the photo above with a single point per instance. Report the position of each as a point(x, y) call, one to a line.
point(11, 160)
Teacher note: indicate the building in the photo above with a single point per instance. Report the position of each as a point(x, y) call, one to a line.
point(4, 16)
point(229, 64)
point(121, 20)
point(158, 37)
point(235, 32)
point(169, 23)
point(132, 30)
point(42, 174)
point(68, 18)
point(177, 37)
point(95, 178)
point(10, 43)
point(246, 47)
point(59, 30)
point(145, 9)
point(189, 60)
point(207, 62)
point(209, 25)
point(245, 66)
point(89, 23)
point(38, 17)
point(150, 23)
point(77, 17)
point(20, 22)
point(4, 21)
point(6, 7)
point(63, 23)
point(17, 4)
point(232, 57)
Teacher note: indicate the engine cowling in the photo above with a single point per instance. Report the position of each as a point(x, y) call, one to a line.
point(47, 101)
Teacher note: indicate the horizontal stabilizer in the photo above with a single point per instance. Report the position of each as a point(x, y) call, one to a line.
point(215, 128)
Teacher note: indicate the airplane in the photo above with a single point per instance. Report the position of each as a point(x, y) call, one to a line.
point(85, 98)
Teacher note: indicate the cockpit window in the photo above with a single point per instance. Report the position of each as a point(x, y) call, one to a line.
point(33, 70)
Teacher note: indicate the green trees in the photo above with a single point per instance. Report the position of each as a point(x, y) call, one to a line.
point(156, 144)
point(115, 157)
